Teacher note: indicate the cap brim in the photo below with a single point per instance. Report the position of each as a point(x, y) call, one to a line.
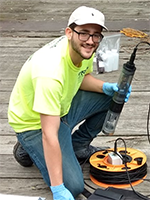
point(83, 23)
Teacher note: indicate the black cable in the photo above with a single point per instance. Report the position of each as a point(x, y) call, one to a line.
point(141, 43)
point(118, 177)
point(133, 55)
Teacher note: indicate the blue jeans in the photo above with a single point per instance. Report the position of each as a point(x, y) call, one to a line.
point(89, 106)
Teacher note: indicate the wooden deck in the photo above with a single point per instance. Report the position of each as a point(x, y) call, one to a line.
point(28, 25)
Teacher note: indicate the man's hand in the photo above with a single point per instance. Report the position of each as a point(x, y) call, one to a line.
point(110, 88)
point(60, 192)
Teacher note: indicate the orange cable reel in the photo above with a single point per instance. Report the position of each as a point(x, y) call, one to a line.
point(101, 168)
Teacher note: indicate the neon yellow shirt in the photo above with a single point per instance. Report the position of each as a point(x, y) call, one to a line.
point(46, 84)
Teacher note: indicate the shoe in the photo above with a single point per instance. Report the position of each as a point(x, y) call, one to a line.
point(87, 153)
point(21, 156)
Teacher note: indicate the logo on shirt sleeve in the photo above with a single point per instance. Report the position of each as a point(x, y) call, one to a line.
point(82, 73)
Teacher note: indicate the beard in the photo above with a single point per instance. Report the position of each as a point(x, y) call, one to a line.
point(80, 49)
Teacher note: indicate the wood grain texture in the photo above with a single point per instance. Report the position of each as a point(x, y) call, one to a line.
point(26, 26)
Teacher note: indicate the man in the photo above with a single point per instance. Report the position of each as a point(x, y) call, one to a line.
point(53, 93)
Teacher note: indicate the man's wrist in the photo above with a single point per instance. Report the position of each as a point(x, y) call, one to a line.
point(57, 188)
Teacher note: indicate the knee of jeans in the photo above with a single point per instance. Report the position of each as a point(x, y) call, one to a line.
point(76, 187)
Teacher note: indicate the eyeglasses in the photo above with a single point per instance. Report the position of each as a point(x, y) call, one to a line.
point(85, 36)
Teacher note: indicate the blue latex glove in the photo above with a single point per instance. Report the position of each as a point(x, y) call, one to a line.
point(110, 88)
point(60, 192)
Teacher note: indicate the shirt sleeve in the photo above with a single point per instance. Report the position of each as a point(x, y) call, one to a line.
point(48, 94)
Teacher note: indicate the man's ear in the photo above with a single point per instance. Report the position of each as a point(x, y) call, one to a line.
point(68, 33)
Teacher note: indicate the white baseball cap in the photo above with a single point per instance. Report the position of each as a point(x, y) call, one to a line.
point(86, 15)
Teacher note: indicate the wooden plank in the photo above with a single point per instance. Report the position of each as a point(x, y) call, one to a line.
point(125, 127)
point(7, 84)
point(5, 128)
point(6, 144)
point(139, 98)
point(8, 165)
point(22, 48)
point(133, 119)
point(32, 187)
point(139, 142)
point(43, 8)
point(24, 42)
point(37, 14)
point(8, 141)
point(127, 44)
point(138, 102)
point(135, 142)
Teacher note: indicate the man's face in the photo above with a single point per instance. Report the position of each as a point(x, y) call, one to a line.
point(85, 49)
